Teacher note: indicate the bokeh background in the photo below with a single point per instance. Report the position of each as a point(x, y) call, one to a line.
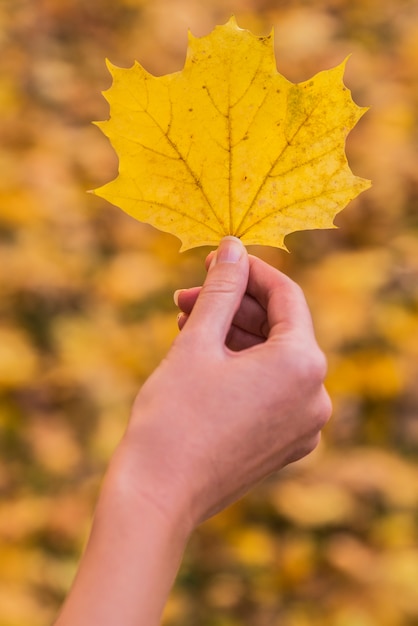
point(86, 313)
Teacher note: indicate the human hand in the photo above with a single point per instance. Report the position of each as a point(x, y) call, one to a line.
point(250, 324)
point(239, 395)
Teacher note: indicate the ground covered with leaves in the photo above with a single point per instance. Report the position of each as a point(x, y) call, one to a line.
point(86, 313)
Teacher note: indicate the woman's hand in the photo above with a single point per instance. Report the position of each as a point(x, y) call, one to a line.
point(250, 324)
point(239, 395)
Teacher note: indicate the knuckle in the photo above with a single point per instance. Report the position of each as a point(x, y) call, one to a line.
point(318, 366)
point(312, 367)
point(297, 290)
point(222, 284)
point(324, 411)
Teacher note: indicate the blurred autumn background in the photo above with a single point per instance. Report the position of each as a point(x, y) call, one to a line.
point(86, 313)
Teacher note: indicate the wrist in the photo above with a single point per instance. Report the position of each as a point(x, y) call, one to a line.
point(139, 483)
point(131, 559)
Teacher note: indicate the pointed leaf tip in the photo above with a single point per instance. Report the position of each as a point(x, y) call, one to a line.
point(230, 146)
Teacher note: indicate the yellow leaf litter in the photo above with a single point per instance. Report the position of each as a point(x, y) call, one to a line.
point(228, 146)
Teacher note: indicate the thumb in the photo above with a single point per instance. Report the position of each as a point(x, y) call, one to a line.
point(222, 292)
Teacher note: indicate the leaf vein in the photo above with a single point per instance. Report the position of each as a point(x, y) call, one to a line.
point(275, 211)
point(301, 164)
point(180, 212)
point(166, 133)
point(268, 174)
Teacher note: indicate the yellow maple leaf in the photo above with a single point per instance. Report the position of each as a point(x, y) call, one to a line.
point(228, 146)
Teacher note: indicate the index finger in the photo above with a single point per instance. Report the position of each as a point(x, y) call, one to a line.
point(282, 298)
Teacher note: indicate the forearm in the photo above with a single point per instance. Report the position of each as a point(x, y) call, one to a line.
point(130, 562)
point(210, 422)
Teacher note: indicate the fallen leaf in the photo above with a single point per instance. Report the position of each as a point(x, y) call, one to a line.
point(228, 146)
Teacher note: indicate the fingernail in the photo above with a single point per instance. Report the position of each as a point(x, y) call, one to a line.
point(176, 296)
point(230, 250)
point(181, 320)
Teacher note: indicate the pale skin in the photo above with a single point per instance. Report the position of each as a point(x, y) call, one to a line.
point(239, 395)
